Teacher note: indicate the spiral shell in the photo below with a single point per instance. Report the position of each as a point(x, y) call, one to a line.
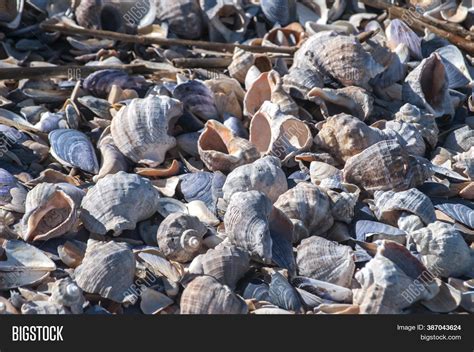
point(66, 293)
point(282, 294)
point(183, 17)
point(141, 130)
point(117, 202)
point(299, 81)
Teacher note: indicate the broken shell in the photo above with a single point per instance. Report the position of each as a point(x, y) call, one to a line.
point(71, 253)
point(180, 237)
point(325, 260)
point(443, 250)
point(323, 289)
point(299, 81)
point(183, 17)
point(51, 210)
point(398, 32)
point(108, 269)
point(284, 295)
point(221, 150)
point(12, 193)
point(198, 99)
point(112, 160)
point(264, 175)
point(228, 96)
point(447, 299)
point(65, 292)
point(227, 264)
point(243, 60)
point(282, 12)
point(72, 148)
point(205, 295)
point(226, 20)
point(385, 166)
point(117, 202)
point(153, 302)
point(141, 130)
point(421, 89)
point(308, 207)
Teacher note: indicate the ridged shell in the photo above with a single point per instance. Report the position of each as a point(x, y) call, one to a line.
point(117, 202)
point(325, 260)
point(339, 57)
point(227, 264)
point(264, 175)
point(108, 269)
point(51, 210)
point(284, 295)
point(180, 237)
point(399, 33)
point(299, 81)
point(456, 68)
point(221, 150)
point(308, 207)
point(198, 99)
point(205, 295)
point(199, 186)
point(72, 148)
point(66, 293)
point(424, 123)
point(282, 12)
point(422, 89)
point(443, 249)
point(460, 140)
point(183, 17)
point(409, 135)
point(344, 136)
point(100, 82)
point(142, 130)
point(385, 166)
point(12, 193)
point(43, 307)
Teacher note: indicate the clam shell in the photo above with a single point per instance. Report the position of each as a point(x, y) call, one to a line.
point(308, 207)
point(325, 260)
point(184, 17)
point(221, 150)
point(117, 202)
point(24, 265)
point(385, 166)
point(264, 175)
point(442, 249)
point(72, 148)
point(51, 210)
point(284, 295)
point(323, 289)
point(198, 99)
point(141, 130)
point(282, 12)
point(421, 80)
point(180, 237)
point(101, 82)
point(227, 264)
point(205, 295)
point(198, 186)
point(398, 32)
point(108, 269)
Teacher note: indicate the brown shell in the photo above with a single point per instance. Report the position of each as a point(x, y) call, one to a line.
point(205, 295)
point(325, 260)
point(385, 166)
point(221, 150)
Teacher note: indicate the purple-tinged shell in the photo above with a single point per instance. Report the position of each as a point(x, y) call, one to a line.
point(99, 83)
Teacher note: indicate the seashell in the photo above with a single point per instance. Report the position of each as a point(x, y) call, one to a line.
point(243, 60)
point(279, 135)
point(198, 186)
point(51, 121)
point(11, 12)
point(141, 130)
point(66, 293)
point(227, 264)
point(256, 289)
point(205, 295)
point(385, 166)
point(160, 266)
point(282, 12)
point(23, 264)
point(420, 80)
point(72, 253)
point(308, 207)
point(221, 150)
point(389, 205)
point(283, 295)
point(180, 237)
point(458, 15)
point(398, 32)
point(442, 249)
point(52, 210)
point(458, 212)
point(281, 233)
point(456, 70)
point(183, 17)
point(424, 123)
point(344, 136)
point(323, 289)
point(73, 149)
point(101, 82)
point(236, 126)
point(199, 209)
point(12, 193)
point(343, 203)
point(409, 135)
point(87, 14)
point(338, 309)
point(447, 299)
point(43, 307)
point(153, 302)
point(227, 21)
point(271, 310)
point(98, 106)
point(117, 202)
point(108, 269)
point(309, 300)
point(320, 171)
point(338, 57)
point(187, 142)
point(460, 140)
point(112, 161)
point(264, 175)
point(291, 35)
point(198, 99)
point(228, 96)
point(355, 100)
point(299, 81)
point(325, 260)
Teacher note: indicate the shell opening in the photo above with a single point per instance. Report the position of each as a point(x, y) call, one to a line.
point(211, 139)
point(432, 82)
point(260, 132)
point(190, 240)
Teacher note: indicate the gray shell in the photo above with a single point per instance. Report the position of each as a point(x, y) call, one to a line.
point(410, 135)
point(112, 161)
point(117, 202)
point(108, 269)
point(443, 250)
point(180, 237)
point(12, 193)
point(227, 264)
point(299, 81)
point(183, 17)
point(325, 260)
point(282, 12)
point(72, 148)
point(66, 293)
point(282, 294)
point(424, 122)
point(460, 140)
point(264, 175)
point(205, 295)
point(198, 99)
point(43, 307)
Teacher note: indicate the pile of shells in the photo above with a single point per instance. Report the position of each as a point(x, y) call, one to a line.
point(337, 179)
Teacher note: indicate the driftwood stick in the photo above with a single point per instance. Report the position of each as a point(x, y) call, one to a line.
point(140, 39)
point(212, 62)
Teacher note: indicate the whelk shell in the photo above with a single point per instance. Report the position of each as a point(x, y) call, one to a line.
point(183, 17)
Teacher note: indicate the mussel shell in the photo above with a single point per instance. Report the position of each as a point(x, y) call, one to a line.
point(284, 295)
point(282, 12)
point(100, 82)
